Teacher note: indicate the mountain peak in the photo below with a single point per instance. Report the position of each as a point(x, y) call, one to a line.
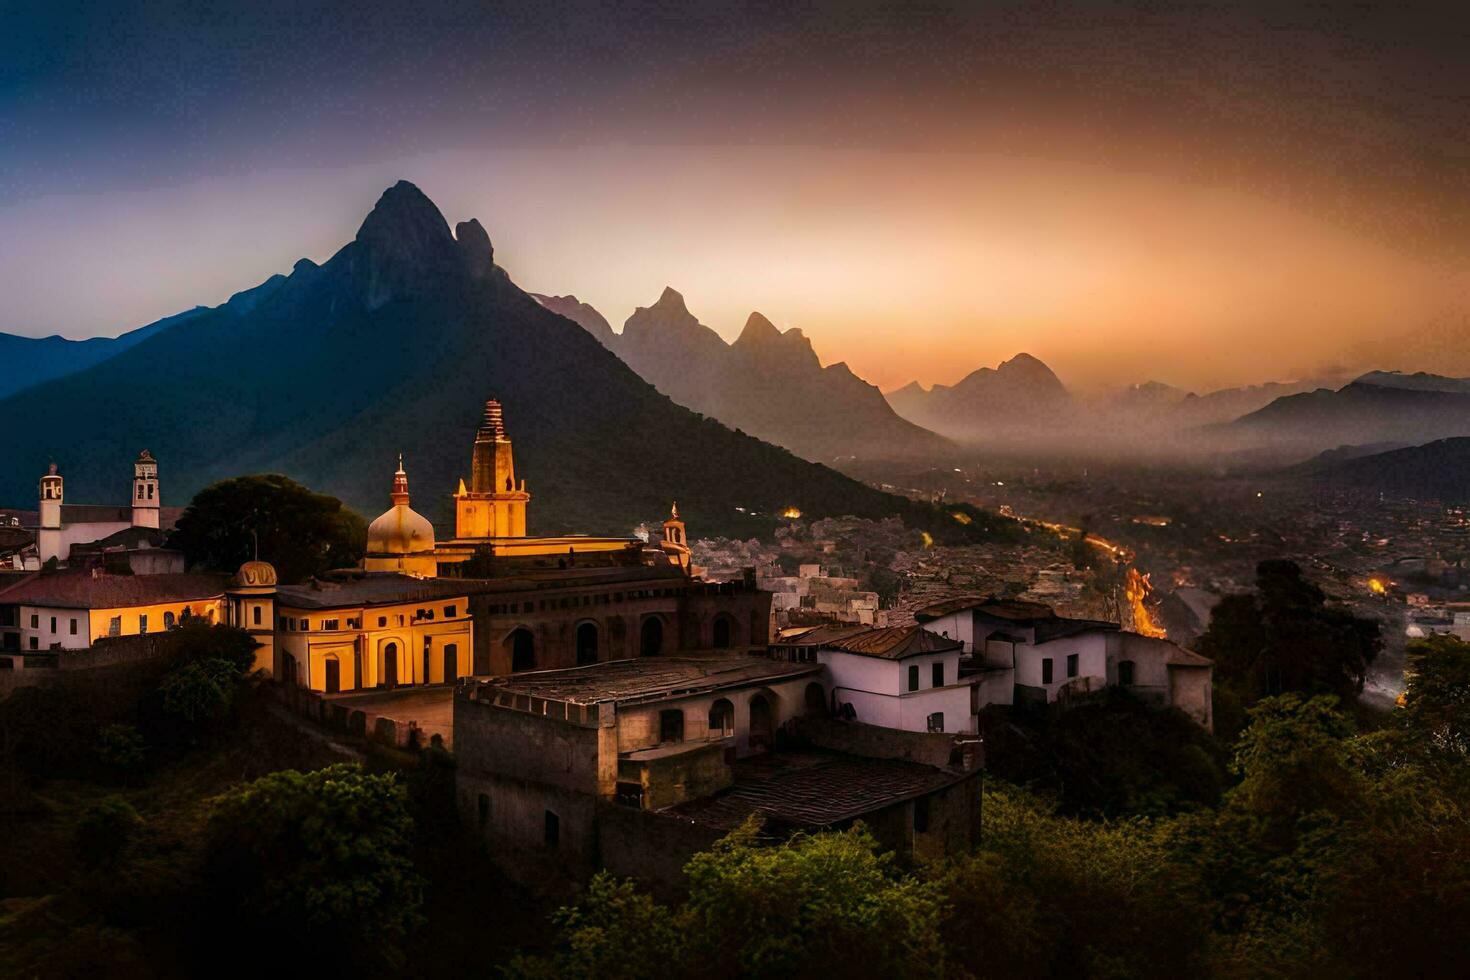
point(474, 247)
point(405, 245)
point(758, 330)
point(404, 212)
point(671, 300)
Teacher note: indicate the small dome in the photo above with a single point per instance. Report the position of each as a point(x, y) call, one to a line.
point(256, 573)
point(400, 530)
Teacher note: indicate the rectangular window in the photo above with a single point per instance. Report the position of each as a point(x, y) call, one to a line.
point(671, 725)
point(914, 678)
point(330, 624)
point(936, 721)
point(938, 674)
point(255, 614)
point(1046, 670)
point(553, 829)
point(74, 630)
point(35, 621)
point(142, 624)
point(53, 624)
point(451, 611)
point(305, 625)
point(114, 626)
point(35, 643)
point(1071, 665)
point(382, 621)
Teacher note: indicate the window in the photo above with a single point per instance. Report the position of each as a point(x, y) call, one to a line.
point(671, 725)
point(382, 621)
point(451, 611)
point(35, 621)
point(305, 625)
point(914, 678)
point(143, 623)
point(140, 491)
point(1046, 670)
point(553, 829)
point(53, 624)
point(1125, 672)
point(1071, 665)
point(722, 718)
point(165, 618)
point(255, 615)
point(168, 622)
point(35, 643)
point(330, 624)
point(938, 672)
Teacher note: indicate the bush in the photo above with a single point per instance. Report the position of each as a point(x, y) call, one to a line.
point(122, 750)
point(104, 830)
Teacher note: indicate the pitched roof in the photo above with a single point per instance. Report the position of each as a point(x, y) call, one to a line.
point(1016, 612)
point(887, 642)
point(81, 589)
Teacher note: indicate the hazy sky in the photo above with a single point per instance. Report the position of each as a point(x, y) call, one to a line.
point(1203, 194)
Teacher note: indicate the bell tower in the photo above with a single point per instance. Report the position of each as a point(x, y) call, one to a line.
point(48, 535)
point(145, 491)
point(494, 506)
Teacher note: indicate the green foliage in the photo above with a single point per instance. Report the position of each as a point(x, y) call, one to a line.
point(201, 692)
point(1437, 700)
point(813, 905)
point(1284, 637)
point(104, 829)
point(122, 749)
point(201, 640)
point(300, 532)
point(321, 855)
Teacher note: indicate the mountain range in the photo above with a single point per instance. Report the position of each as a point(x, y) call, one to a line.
point(1377, 408)
point(393, 345)
point(1438, 470)
point(1021, 395)
point(768, 383)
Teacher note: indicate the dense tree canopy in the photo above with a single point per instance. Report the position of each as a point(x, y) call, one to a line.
point(1285, 637)
point(300, 532)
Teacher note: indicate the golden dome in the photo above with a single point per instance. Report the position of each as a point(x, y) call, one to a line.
point(256, 574)
point(400, 530)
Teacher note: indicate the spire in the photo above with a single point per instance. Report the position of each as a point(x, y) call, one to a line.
point(492, 426)
point(674, 511)
point(399, 496)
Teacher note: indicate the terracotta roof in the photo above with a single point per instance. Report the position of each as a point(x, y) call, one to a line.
point(814, 789)
point(1016, 612)
point(820, 636)
point(80, 589)
point(646, 678)
point(894, 642)
point(947, 606)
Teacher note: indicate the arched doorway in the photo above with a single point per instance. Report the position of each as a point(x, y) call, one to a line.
point(762, 731)
point(722, 718)
point(724, 627)
point(390, 665)
point(334, 675)
point(586, 644)
point(451, 662)
point(522, 650)
point(651, 641)
point(816, 700)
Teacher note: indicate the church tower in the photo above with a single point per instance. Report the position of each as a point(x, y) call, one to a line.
point(145, 491)
point(675, 542)
point(48, 535)
point(494, 506)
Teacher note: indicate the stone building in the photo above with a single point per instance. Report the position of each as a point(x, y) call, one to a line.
point(635, 765)
point(59, 526)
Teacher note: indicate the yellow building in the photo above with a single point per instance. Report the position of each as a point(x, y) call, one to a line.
point(489, 521)
point(372, 629)
point(68, 610)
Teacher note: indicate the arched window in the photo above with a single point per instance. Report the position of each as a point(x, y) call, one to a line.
point(168, 620)
point(722, 718)
point(724, 626)
point(586, 644)
point(652, 640)
point(522, 650)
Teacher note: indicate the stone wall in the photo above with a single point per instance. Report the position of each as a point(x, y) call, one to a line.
point(650, 847)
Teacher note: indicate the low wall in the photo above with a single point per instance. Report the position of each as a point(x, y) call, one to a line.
point(118, 668)
point(648, 846)
point(351, 722)
point(939, 749)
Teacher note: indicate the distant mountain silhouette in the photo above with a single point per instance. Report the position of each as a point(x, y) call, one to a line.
point(393, 345)
point(581, 314)
point(1021, 395)
point(1357, 413)
point(1438, 470)
point(29, 361)
point(768, 383)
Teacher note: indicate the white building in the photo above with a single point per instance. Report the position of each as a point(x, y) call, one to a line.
point(60, 525)
point(900, 677)
point(1044, 657)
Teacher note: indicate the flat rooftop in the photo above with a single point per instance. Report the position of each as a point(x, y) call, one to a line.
point(367, 589)
point(814, 789)
point(645, 678)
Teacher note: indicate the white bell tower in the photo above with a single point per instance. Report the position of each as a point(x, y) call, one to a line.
point(48, 535)
point(145, 491)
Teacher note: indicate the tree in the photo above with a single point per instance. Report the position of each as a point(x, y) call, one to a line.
point(122, 749)
point(300, 532)
point(1285, 637)
point(104, 830)
point(201, 692)
point(323, 856)
point(1437, 698)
